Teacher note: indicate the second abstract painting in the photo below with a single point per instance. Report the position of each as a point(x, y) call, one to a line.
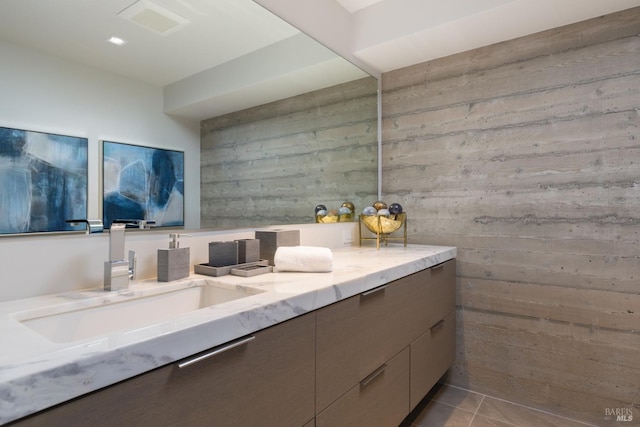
point(142, 183)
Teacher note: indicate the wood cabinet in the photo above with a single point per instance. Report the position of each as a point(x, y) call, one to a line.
point(357, 335)
point(366, 360)
point(267, 381)
point(413, 315)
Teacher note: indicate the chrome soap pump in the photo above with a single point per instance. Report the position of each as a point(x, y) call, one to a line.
point(173, 263)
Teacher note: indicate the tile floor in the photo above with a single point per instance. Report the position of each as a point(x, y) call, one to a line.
point(449, 406)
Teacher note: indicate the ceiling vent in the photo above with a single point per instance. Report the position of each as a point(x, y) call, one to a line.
point(154, 17)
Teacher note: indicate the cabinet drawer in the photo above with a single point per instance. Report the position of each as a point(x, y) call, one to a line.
point(268, 381)
point(437, 296)
point(431, 355)
point(380, 399)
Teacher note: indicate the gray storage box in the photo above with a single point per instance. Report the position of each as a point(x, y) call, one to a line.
point(270, 240)
point(248, 250)
point(223, 253)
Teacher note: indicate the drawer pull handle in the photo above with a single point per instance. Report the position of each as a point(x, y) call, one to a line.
point(227, 347)
point(372, 376)
point(374, 290)
point(437, 268)
point(437, 326)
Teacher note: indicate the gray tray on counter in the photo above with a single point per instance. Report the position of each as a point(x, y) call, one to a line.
point(208, 270)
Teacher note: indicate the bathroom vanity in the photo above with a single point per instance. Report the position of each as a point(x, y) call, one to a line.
point(359, 346)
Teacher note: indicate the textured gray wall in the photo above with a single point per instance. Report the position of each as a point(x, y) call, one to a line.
point(274, 163)
point(526, 156)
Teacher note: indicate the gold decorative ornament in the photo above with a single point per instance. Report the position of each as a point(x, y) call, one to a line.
point(383, 227)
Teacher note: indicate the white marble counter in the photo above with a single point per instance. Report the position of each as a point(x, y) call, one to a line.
point(36, 373)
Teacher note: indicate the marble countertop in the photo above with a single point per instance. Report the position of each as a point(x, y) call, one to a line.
point(36, 373)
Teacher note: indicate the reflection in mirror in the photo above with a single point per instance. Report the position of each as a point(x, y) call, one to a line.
point(273, 164)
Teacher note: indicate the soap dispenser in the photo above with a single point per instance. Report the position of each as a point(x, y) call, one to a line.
point(173, 263)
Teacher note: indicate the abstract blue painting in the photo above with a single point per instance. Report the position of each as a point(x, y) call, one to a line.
point(43, 181)
point(142, 183)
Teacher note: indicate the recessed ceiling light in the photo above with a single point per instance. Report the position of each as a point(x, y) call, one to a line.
point(117, 41)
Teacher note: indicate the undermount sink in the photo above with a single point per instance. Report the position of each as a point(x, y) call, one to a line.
point(136, 313)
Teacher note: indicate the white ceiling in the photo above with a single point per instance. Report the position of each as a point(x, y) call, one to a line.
point(384, 35)
point(233, 53)
point(423, 30)
point(220, 30)
point(354, 5)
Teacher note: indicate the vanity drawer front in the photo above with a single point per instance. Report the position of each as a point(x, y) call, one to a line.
point(266, 381)
point(437, 296)
point(380, 399)
point(431, 355)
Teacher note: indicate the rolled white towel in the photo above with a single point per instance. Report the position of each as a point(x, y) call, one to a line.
point(310, 259)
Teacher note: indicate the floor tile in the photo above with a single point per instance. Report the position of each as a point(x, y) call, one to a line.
point(434, 414)
point(522, 416)
point(456, 397)
point(480, 421)
point(451, 406)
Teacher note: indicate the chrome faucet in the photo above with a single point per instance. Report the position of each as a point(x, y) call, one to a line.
point(118, 270)
point(93, 225)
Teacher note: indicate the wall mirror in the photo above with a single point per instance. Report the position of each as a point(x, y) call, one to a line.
point(286, 124)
